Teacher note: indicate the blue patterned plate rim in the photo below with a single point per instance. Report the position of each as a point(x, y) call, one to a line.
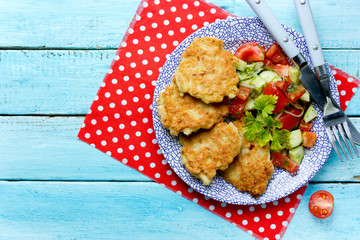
point(235, 32)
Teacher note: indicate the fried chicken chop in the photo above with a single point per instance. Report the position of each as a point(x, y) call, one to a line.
point(207, 71)
point(187, 114)
point(205, 152)
point(252, 168)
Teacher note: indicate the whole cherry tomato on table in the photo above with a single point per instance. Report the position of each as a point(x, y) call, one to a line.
point(321, 204)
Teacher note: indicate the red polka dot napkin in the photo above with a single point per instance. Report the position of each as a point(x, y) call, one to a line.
point(119, 122)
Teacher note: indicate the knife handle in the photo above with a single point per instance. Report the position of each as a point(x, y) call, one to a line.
point(273, 25)
point(309, 29)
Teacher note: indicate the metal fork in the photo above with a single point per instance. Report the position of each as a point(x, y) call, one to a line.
point(335, 120)
point(335, 124)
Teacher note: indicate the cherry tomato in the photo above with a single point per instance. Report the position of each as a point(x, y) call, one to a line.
point(294, 92)
point(244, 92)
point(309, 139)
point(281, 160)
point(237, 106)
point(289, 121)
point(282, 102)
point(321, 204)
point(250, 52)
point(306, 126)
point(276, 55)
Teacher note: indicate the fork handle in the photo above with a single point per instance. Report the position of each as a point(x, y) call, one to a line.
point(312, 40)
point(309, 29)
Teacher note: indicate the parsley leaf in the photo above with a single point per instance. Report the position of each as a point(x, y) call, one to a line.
point(271, 122)
point(265, 104)
point(280, 139)
point(252, 127)
point(249, 119)
point(264, 137)
point(263, 127)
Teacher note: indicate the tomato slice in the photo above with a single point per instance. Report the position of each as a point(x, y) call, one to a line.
point(306, 126)
point(281, 160)
point(268, 63)
point(294, 92)
point(288, 120)
point(282, 85)
point(276, 55)
point(237, 106)
point(244, 92)
point(321, 204)
point(250, 52)
point(282, 102)
point(309, 139)
point(281, 70)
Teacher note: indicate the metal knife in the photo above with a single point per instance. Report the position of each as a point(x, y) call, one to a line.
point(309, 29)
point(307, 76)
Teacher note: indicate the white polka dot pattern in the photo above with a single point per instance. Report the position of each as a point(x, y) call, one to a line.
point(119, 121)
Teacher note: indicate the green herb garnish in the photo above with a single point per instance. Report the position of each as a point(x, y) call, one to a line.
point(264, 127)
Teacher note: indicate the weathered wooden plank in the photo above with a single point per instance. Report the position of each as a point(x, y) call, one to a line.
point(66, 82)
point(51, 82)
point(102, 24)
point(65, 24)
point(50, 151)
point(47, 149)
point(58, 210)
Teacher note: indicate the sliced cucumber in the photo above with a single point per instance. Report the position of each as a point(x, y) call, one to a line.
point(240, 65)
point(297, 154)
point(250, 104)
point(246, 82)
point(295, 138)
point(250, 71)
point(244, 76)
point(255, 67)
point(294, 75)
point(258, 84)
point(269, 76)
point(310, 114)
point(305, 97)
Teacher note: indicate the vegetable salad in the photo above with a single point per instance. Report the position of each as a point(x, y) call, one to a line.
point(273, 104)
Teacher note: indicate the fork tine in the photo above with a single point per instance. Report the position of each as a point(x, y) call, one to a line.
point(342, 134)
point(336, 133)
point(332, 140)
point(348, 133)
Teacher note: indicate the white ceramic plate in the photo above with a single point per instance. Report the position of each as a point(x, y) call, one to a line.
point(235, 32)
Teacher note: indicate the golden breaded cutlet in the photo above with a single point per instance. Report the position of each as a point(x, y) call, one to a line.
point(252, 168)
point(187, 114)
point(205, 152)
point(207, 71)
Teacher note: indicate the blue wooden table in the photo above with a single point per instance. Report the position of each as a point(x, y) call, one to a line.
point(53, 57)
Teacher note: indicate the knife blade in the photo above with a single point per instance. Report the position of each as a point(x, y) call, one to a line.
point(308, 26)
